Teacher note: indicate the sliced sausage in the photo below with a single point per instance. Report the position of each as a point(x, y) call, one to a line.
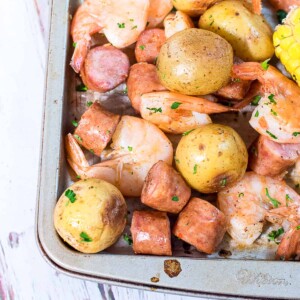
point(269, 158)
point(148, 45)
point(151, 233)
point(164, 189)
point(96, 128)
point(177, 22)
point(142, 79)
point(105, 67)
point(201, 224)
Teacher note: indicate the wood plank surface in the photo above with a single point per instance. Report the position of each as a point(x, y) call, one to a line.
point(24, 28)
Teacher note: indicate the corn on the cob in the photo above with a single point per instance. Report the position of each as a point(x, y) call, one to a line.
point(286, 40)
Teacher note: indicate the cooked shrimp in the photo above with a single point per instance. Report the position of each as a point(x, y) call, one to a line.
point(256, 6)
point(136, 146)
point(247, 203)
point(121, 21)
point(175, 22)
point(177, 113)
point(157, 11)
point(277, 115)
point(286, 5)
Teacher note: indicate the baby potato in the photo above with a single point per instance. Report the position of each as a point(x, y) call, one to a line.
point(193, 8)
point(249, 34)
point(195, 62)
point(211, 158)
point(90, 215)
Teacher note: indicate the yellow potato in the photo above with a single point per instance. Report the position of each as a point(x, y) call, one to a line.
point(195, 62)
point(193, 8)
point(211, 158)
point(249, 34)
point(90, 215)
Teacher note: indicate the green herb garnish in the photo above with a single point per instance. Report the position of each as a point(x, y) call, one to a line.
point(85, 238)
point(175, 105)
point(271, 98)
point(89, 103)
point(296, 133)
point(187, 132)
point(70, 195)
point(75, 123)
point(223, 182)
point(273, 112)
point(77, 137)
point(130, 148)
point(265, 64)
point(255, 100)
point(175, 198)
point(195, 169)
point(121, 25)
point(273, 200)
point(92, 151)
point(74, 44)
point(298, 227)
point(271, 135)
point(256, 114)
point(142, 47)
point(241, 195)
point(273, 235)
point(81, 88)
point(154, 109)
point(127, 238)
point(288, 199)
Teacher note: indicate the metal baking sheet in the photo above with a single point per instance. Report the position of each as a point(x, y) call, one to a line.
point(247, 273)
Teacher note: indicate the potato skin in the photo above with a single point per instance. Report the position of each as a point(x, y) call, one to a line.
point(249, 34)
point(211, 158)
point(193, 8)
point(195, 62)
point(99, 211)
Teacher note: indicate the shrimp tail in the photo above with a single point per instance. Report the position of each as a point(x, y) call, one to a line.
point(289, 246)
point(255, 90)
point(79, 55)
point(248, 71)
point(75, 155)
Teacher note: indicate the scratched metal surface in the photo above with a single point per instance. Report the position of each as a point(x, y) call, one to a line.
point(247, 272)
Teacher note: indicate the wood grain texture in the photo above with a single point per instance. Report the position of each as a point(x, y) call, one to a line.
point(24, 28)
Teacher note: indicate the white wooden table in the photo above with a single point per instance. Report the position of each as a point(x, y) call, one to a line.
point(23, 272)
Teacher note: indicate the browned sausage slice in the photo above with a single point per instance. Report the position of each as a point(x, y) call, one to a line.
point(142, 79)
point(201, 224)
point(164, 189)
point(96, 128)
point(151, 233)
point(269, 158)
point(105, 67)
point(148, 45)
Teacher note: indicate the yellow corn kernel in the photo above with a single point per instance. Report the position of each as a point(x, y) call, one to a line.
point(296, 75)
point(294, 17)
point(294, 51)
point(286, 43)
point(283, 31)
point(293, 65)
point(278, 51)
point(284, 58)
point(296, 32)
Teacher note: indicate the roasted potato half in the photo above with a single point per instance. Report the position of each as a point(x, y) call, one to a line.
point(90, 215)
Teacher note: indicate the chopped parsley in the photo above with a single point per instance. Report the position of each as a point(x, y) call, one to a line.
point(255, 100)
point(281, 15)
point(92, 151)
point(265, 64)
point(131, 20)
point(176, 160)
point(125, 91)
point(298, 227)
point(121, 25)
point(187, 132)
point(81, 88)
point(175, 198)
point(127, 238)
point(75, 123)
point(85, 237)
point(142, 47)
point(271, 135)
point(175, 105)
point(89, 103)
point(134, 27)
point(296, 133)
point(77, 137)
point(130, 148)
point(273, 200)
point(288, 199)
point(108, 131)
point(256, 114)
point(241, 195)
point(78, 177)
point(211, 23)
point(273, 235)
point(74, 44)
point(154, 109)
point(223, 182)
point(195, 169)
point(273, 112)
point(70, 195)
point(271, 98)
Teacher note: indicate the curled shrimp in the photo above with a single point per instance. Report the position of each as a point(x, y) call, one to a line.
point(177, 113)
point(121, 21)
point(255, 199)
point(277, 115)
point(136, 146)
